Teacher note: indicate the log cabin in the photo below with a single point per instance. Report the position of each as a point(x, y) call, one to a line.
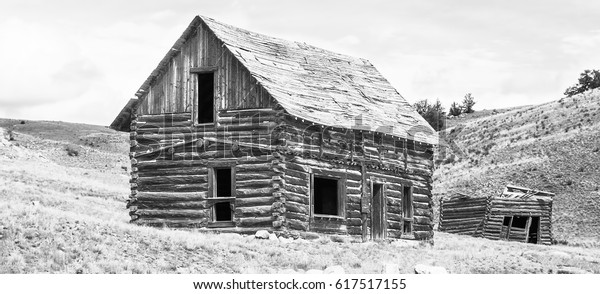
point(517, 214)
point(238, 131)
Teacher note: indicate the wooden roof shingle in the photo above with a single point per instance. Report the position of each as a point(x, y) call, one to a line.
point(324, 87)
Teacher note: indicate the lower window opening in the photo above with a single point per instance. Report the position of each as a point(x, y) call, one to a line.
point(223, 210)
point(407, 227)
point(326, 196)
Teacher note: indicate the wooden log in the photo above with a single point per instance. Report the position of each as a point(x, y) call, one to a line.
point(297, 189)
point(172, 204)
point(422, 220)
point(296, 181)
point(259, 183)
point(171, 196)
point(255, 221)
point(256, 192)
point(168, 180)
point(302, 217)
point(172, 213)
point(253, 167)
point(254, 201)
point(159, 164)
point(185, 171)
point(297, 207)
point(296, 197)
point(170, 222)
point(254, 211)
point(297, 224)
point(159, 118)
point(296, 174)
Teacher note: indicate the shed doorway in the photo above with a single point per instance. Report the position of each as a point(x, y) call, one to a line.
point(378, 213)
point(534, 229)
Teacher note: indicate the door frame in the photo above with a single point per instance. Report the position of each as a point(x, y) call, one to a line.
point(382, 232)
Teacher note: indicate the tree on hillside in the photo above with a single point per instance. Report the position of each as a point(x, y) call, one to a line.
point(468, 103)
point(588, 79)
point(432, 113)
point(455, 109)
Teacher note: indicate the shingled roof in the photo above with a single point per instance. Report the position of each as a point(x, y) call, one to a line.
point(317, 85)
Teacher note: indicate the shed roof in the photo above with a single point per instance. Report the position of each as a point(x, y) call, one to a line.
point(516, 192)
point(318, 85)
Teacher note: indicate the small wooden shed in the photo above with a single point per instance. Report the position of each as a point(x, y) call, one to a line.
point(239, 131)
point(518, 214)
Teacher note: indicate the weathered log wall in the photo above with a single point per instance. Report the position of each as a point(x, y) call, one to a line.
point(174, 89)
point(397, 163)
point(171, 159)
point(463, 215)
point(534, 206)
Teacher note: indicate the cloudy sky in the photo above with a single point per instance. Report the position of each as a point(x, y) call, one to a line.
point(80, 61)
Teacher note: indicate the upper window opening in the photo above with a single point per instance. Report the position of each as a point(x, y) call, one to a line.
point(407, 202)
point(326, 196)
point(206, 106)
point(224, 182)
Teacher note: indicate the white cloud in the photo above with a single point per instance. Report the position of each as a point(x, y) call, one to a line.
point(581, 43)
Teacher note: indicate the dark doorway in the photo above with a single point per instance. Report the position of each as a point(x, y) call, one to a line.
point(378, 213)
point(534, 228)
point(224, 189)
point(206, 108)
point(325, 196)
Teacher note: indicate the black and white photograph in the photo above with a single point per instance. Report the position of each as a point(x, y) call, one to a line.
point(353, 145)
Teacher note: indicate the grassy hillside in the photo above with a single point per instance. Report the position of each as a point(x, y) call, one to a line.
point(553, 146)
point(64, 213)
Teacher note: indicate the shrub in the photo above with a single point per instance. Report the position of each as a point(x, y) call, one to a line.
point(433, 113)
point(455, 109)
point(468, 103)
point(72, 150)
point(588, 79)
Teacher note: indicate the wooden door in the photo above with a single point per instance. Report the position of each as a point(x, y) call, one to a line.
point(378, 212)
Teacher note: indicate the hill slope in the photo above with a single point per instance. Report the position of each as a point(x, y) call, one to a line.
point(66, 214)
point(553, 147)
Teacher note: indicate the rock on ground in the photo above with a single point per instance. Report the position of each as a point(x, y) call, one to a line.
point(262, 234)
point(571, 270)
point(314, 272)
point(429, 269)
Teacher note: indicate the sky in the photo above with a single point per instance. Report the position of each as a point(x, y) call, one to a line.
point(80, 61)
